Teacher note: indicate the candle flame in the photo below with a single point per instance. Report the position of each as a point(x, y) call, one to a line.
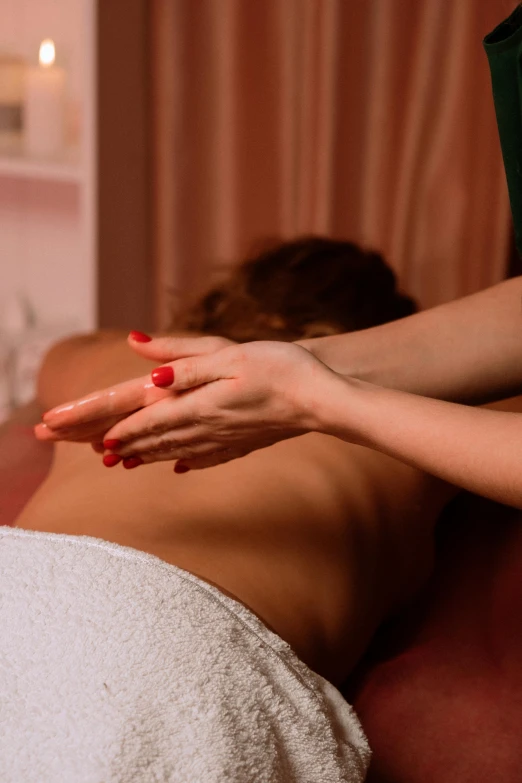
point(47, 53)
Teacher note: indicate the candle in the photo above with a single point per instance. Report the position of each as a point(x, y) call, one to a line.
point(44, 111)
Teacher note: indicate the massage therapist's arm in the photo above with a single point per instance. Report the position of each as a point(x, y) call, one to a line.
point(474, 448)
point(258, 393)
point(468, 350)
point(247, 397)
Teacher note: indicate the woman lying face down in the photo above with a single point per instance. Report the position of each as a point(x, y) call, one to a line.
point(318, 539)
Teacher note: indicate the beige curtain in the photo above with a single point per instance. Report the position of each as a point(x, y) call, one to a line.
point(370, 120)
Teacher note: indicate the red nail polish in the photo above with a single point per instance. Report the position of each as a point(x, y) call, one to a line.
point(180, 468)
point(163, 376)
point(110, 460)
point(111, 444)
point(132, 462)
point(140, 337)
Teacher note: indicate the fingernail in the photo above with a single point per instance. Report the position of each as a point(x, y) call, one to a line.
point(163, 376)
point(140, 337)
point(110, 460)
point(111, 444)
point(132, 462)
point(180, 468)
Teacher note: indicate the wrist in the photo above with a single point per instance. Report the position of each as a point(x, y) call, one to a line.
point(344, 412)
point(342, 353)
point(335, 405)
point(315, 346)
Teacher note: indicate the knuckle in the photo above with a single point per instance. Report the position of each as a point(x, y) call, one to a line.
point(184, 452)
point(162, 447)
point(239, 360)
point(212, 344)
point(222, 342)
point(162, 444)
point(190, 372)
point(206, 412)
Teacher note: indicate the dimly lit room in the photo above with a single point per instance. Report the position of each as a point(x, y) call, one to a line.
point(260, 384)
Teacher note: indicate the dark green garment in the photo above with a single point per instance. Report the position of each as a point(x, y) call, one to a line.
point(504, 51)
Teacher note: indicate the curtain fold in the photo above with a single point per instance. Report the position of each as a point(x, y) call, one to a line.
point(370, 120)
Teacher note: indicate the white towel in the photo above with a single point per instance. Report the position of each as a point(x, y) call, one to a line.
point(117, 667)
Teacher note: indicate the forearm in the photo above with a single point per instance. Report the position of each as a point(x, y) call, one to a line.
point(469, 350)
point(477, 449)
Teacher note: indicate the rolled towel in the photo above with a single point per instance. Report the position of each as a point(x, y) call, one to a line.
point(116, 666)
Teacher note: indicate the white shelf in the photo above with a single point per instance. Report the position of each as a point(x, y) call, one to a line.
point(67, 169)
point(48, 207)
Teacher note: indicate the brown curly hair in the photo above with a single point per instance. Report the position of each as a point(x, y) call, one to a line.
point(309, 287)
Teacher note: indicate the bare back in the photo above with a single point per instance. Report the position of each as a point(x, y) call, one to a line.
point(320, 538)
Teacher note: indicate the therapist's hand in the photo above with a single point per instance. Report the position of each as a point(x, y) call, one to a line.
point(226, 404)
point(86, 420)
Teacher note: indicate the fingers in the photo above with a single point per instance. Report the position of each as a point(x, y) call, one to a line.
point(171, 441)
point(43, 432)
point(167, 349)
point(114, 401)
point(131, 395)
point(195, 371)
point(124, 398)
point(166, 415)
point(84, 433)
point(208, 461)
point(196, 451)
